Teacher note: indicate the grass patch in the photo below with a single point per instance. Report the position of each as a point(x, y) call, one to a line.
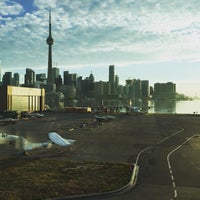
point(52, 178)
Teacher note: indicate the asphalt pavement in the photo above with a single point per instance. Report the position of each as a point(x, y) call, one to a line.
point(168, 147)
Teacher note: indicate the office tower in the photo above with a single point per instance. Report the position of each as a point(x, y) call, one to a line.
point(164, 90)
point(69, 79)
point(138, 88)
point(112, 74)
point(112, 79)
point(50, 43)
point(145, 89)
point(29, 77)
point(98, 89)
point(55, 73)
point(16, 79)
point(66, 78)
point(116, 81)
point(58, 82)
point(7, 78)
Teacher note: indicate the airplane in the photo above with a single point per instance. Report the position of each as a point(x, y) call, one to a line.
point(135, 109)
point(33, 115)
point(8, 121)
point(104, 118)
point(22, 144)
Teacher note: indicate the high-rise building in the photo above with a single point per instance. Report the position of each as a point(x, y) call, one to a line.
point(29, 78)
point(112, 79)
point(138, 88)
point(55, 73)
point(50, 43)
point(7, 78)
point(145, 89)
point(69, 79)
point(112, 74)
point(16, 79)
point(164, 91)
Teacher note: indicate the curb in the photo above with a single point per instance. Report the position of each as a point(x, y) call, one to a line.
point(119, 191)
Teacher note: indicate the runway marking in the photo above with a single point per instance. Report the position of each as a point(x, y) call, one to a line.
point(174, 184)
point(169, 164)
point(160, 142)
point(175, 193)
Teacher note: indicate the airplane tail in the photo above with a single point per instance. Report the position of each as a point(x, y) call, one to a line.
point(57, 139)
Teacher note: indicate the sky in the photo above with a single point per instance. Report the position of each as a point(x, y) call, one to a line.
point(155, 40)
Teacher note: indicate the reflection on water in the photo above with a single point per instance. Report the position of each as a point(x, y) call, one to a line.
point(163, 106)
point(179, 107)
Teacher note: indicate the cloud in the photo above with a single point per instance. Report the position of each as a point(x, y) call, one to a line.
point(106, 31)
point(10, 8)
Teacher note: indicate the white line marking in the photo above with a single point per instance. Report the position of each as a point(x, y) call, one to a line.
point(174, 184)
point(168, 161)
point(175, 193)
point(169, 164)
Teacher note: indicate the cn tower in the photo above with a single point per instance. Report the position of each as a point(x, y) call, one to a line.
point(50, 43)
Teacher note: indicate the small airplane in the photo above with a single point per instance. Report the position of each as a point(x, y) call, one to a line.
point(104, 118)
point(22, 144)
point(33, 115)
point(135, 109)
point(8, 121)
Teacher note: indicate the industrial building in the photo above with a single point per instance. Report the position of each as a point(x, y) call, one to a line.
point(21, 99)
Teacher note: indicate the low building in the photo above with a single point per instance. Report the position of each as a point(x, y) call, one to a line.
point(21, 98)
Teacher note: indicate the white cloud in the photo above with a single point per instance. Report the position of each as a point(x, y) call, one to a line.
point(106, 31)
point(10, 8)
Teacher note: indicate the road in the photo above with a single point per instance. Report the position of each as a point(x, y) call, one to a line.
point(169, 169)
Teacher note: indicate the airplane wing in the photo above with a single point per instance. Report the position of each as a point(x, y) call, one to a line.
point(104, 118)
point(111, 117)
point(100, 118)
point(23, 144)
point(7, 139)
point(57, 139)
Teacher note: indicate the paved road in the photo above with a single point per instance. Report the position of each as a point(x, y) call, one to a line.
point(169, 170)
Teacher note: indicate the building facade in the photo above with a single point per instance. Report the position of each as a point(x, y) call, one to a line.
point(21, 99)
point(164, 91)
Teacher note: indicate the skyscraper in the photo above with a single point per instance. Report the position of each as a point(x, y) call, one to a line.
point(112, 79)
point(55, 73)
point(50, 43)
point(29, 78)
point(7, 77)
point(111, 74)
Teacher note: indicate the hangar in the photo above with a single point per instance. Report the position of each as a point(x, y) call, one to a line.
point(21, 98)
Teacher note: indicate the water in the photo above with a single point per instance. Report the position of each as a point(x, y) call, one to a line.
point(179, 107)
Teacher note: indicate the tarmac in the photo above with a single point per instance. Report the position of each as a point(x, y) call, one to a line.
point(120, 141)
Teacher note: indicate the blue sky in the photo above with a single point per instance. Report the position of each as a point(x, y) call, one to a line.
point(157, 40)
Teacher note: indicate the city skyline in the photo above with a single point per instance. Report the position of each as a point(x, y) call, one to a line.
point(147, 40)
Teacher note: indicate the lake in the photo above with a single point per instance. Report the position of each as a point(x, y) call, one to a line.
point(179, 107)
